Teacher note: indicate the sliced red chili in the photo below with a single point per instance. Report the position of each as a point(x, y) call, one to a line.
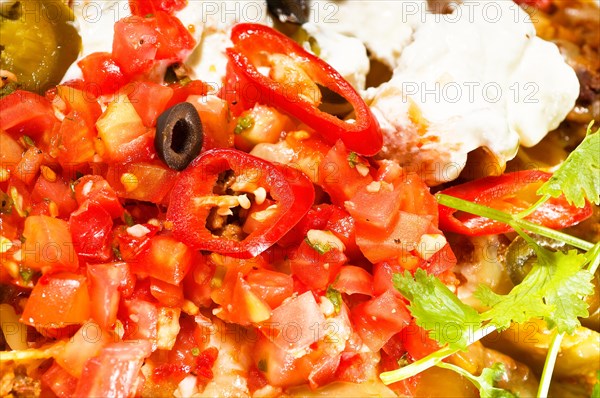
point(511, 193)
point(252, 41)
point(292, 193)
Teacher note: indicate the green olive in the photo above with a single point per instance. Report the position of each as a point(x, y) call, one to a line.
point(38, 42)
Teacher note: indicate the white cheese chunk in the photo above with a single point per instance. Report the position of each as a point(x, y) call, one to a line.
point(478, 77)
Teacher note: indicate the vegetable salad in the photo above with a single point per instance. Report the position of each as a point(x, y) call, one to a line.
point(165, 236)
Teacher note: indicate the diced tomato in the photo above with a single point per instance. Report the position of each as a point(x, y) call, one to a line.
point(271, 286)
point(316, 218)
point(86, 343)
point(57, 191)
point(256, 379)
point(57, 301)
point(169, 372)
point(135, 45)
point(402, 239)
point(166, 259)
point(268, 125)
point(295, 324)
point(342, 225)
point(131, 246)
point(339, 176)
point(197, 282)
point(174, 40)
point(187, 340)
point(146, 7)
point(376, 210)
point(96, 189)
point(417, 342)
point(59, 381)
point(182, 91)
point(123, 359)
point(105, 285)
point(84, 103)
point(246, 305)
point(48, 245)
point(354, 367)
point(149, 100)
point(352, 280)
point(139, 318)
point(239, 302)
point(204, 363)
point(383, 272)
point(101, 73)
point(416, 197)
point(323, 371)
point(90, 226)
point(152, 182)
point(123, 134)
point(23, 112)
point(216, 120)
point(316, 270)
point(11, 153)
point(234, 91)
point(392, 218)
point(441, 261)
point(75, 141)
point(378, 319)
point(29, 166)
point(279, 366)
point(329, 218)
point(166, 293)
point(140, 41)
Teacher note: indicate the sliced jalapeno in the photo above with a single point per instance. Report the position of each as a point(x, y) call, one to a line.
point(179, 135)
point(38, 41)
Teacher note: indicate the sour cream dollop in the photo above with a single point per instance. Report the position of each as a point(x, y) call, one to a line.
point(477, 77)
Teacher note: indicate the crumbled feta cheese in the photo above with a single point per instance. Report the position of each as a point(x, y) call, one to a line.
point(347, 55)
point(478, 77)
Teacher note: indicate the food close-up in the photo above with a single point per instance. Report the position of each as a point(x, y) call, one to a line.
point(265, 198)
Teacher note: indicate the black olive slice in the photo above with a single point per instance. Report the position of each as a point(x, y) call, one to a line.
point(179, 135)
point(294, 11)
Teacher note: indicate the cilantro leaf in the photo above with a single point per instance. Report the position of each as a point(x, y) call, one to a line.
point(567, 286)
point(335, 297)
point(578, 177)
point(552, 290)
point(437, 309)
point(485, 382)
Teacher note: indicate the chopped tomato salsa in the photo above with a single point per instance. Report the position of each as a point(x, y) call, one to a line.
point(275, 270)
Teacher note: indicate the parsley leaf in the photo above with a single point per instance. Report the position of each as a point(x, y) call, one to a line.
point(437, 309)
point(485, 382)
point(578, 177)
point(552, 290)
